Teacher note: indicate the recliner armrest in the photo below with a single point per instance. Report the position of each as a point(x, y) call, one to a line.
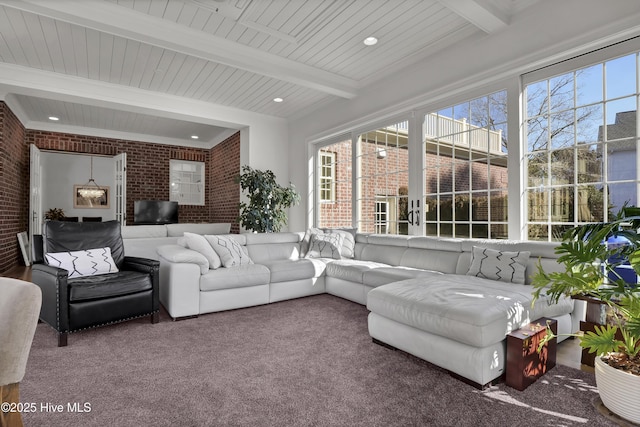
point(147, 266)
point(53, 283)
point(144, 265)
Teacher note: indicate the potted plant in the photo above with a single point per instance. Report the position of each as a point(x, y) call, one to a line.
point(266, 209)
point(593, 271)
point(54, 214)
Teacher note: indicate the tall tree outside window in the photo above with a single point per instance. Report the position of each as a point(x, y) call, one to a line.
point(581, 146)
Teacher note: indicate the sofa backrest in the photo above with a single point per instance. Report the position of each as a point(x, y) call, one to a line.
point(173, 230)
point(385, 248)
point(273, 246)
point(432, 253)
point(543, 252)
point(448, 255)
point(427, 253)
point(178, 230)
point(143, 231)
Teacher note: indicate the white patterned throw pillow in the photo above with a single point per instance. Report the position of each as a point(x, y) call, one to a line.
point(200, 244)
point(89, 262)
point(326, 245)
point(349, 244)
point(507, 267)
point(306, 240)
point(229, 250)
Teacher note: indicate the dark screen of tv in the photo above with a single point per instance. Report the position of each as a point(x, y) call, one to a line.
point(155, 212)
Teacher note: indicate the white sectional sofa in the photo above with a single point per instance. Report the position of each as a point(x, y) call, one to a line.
point(420, 298)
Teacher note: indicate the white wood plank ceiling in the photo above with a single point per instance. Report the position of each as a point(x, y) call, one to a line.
point(239, 54)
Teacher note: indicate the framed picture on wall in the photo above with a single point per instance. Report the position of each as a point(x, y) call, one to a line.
point(23, 240)
point(83, 199)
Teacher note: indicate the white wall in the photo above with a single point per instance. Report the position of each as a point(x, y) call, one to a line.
point(544, 34)
point(60, 172)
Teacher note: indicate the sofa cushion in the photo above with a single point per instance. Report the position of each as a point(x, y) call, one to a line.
point(237, 277)
point(475, 311)
point(351, 270)
point(384, 275)
point(326, 245)
point(299, 269)
point(231, 252)
point(88, 262)
point(492, 264)
point(201, 244)
point(108, 285)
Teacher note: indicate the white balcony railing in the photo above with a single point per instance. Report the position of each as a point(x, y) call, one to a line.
point(461, 133)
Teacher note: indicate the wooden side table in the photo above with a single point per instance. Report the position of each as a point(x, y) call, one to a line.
point(596, 315)
point(524, 364)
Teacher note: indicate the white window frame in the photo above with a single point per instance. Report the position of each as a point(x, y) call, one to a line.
point(187, 182)
point(381, 224)
point(330, 178)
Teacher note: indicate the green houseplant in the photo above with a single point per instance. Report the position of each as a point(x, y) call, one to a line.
point(54, 214)
point(592, 256)
point(266, 209)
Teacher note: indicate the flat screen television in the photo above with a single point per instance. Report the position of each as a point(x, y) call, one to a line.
point(155, 212)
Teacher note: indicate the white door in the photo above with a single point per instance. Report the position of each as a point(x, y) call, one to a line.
point(35, 193)
point(121, 188)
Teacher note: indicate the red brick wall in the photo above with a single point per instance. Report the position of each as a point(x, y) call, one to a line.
point(147, 166)
point(337, 213)
point(224, 192)
point(147, 176)
point(14, 188)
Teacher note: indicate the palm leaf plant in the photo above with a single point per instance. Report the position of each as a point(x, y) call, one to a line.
point(592, 271)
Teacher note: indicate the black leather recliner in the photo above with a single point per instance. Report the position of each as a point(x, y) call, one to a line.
point(78, 303)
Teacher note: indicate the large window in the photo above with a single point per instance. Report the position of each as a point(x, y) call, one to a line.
point(581, 146)
point(383, 180)
point(465, 169)
point(557, 148)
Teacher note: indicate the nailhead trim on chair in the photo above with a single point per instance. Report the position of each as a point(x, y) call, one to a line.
point(114, 322)
point(104, 324)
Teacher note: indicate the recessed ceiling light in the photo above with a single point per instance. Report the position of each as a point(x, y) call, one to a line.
point(370, 41)
point(194, 137)
point(53, 118)
point(278, 99)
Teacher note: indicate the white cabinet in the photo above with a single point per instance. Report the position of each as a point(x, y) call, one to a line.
point(187, 182)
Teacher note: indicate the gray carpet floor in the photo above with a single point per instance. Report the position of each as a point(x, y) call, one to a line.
point(303, 362)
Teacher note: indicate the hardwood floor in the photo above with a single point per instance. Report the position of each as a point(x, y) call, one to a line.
point(569, 351)
point(19, 272)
